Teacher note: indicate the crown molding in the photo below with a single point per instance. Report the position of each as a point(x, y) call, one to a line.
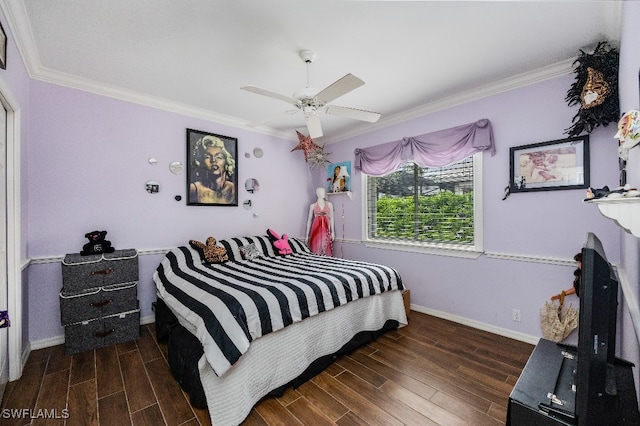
point(525, 79)
point(19, 25)
point(128, 95)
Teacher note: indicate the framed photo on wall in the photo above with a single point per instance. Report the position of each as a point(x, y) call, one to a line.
point(558, 164)
point(212, 169)
point(339, 177)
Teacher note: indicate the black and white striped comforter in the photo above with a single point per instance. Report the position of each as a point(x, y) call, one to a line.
point(230, 304)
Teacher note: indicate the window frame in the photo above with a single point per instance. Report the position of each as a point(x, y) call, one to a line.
point(471, 251)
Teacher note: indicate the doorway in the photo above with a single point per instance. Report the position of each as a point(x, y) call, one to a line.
point(4, 288)
point(11, 339)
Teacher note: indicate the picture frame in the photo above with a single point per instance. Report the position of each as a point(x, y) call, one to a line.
point(212, 169)
point(553, 165)
point(3, 48)
point(339, 178)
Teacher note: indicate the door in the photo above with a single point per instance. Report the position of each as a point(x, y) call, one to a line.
point(4, 332)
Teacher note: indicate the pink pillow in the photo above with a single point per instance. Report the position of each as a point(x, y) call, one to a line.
point(280, 244)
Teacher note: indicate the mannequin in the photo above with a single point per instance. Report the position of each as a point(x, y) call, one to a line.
point(320, 225)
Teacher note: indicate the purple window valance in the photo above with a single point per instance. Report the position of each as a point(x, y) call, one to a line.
point(436, 149)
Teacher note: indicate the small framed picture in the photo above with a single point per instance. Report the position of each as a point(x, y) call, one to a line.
point(212, 169)
point(3, 48)
point(339, 177)
point(558, 164)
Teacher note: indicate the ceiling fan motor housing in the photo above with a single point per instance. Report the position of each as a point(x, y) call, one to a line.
point(308, 56)
point(305, 94)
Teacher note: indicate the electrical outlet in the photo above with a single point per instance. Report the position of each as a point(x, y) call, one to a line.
point(515, 315)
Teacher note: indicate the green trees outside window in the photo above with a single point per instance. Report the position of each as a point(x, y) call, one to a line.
point(430, 205)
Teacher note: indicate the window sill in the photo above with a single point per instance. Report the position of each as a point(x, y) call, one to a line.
point(435, 249)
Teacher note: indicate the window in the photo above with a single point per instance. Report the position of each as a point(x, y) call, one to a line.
point(427, 207)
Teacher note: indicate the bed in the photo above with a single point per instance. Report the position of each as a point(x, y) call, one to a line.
point(251, 326)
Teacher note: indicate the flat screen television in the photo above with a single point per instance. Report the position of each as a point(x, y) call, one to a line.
point(595, 372)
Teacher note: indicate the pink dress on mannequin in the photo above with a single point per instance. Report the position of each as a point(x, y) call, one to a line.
point(320, 233)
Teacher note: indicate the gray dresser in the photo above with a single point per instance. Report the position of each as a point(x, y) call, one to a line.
point(99, 299)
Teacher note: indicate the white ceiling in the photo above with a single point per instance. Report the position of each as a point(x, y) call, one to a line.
point(192, 56)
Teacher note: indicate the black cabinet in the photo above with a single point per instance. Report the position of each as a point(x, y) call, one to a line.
point(545, 394)
point(98, 301)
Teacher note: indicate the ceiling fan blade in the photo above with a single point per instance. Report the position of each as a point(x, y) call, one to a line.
point(265, 92)
point(313, 125)
point(272, 117)
point(357, 114)
point(341, 87)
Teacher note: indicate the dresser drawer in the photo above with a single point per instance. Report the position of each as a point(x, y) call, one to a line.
point(100, 332)
point(99, 270)
point(98, 302)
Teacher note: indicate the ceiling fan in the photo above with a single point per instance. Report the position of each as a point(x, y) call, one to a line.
point(310, 101)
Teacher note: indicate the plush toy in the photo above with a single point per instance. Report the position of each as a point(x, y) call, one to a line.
point(595, 193)
point(280, 244)
point(4, 319)
point(97, 243)
point(210, 252)
point(622, 191)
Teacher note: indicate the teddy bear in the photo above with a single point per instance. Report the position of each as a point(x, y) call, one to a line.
point(97, 244)
point(210, 252)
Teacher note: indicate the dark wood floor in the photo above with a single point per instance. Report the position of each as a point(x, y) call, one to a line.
point(430, 372)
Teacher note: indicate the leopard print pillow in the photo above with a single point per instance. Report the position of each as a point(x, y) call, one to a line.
point(210, 252)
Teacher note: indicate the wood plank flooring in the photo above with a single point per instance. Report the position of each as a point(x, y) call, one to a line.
point(432, 372)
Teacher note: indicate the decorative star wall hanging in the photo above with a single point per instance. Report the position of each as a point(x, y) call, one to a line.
point(318, 158)
point(306, 144)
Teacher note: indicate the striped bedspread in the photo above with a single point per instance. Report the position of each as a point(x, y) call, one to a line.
point(228, 305)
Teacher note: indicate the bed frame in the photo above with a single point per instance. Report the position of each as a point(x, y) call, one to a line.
point(185, 350)
point(356, 303)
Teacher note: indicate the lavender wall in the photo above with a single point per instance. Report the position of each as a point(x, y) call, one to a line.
point(88, 165)
point(550, 225)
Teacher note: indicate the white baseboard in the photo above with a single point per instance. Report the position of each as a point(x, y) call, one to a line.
point(477, 324)
point(148, 319)
point(45, 343)
point(25, 355)
point(59, 340)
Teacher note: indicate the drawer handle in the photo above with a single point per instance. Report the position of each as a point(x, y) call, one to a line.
point(102, 272)
point(100, 304)
point(105, 333)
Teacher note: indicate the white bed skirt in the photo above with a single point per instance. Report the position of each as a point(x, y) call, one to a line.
point(277, 358)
